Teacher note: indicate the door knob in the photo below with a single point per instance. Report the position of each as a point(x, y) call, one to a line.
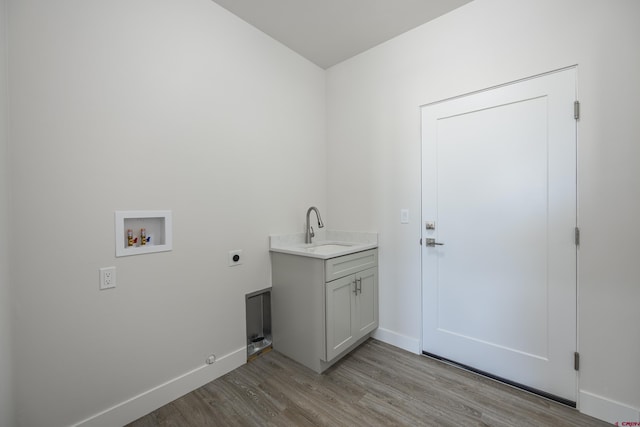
point(432, 242)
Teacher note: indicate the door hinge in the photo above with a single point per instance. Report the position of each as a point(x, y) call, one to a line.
point(577, 236)
point(576, 110)
point(576, 361)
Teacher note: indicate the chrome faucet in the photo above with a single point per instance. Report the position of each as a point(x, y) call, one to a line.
point(310, 234)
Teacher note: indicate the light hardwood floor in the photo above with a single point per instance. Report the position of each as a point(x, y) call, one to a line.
point(376, 385)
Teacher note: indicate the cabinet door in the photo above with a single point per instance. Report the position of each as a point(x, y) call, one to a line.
point(366, 302)
point(340, 315)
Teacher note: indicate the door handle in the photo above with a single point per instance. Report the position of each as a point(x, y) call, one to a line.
point(355, 286)
point(359, 285)
point(432, 243)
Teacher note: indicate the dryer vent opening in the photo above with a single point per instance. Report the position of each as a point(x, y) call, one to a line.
point(258, 306)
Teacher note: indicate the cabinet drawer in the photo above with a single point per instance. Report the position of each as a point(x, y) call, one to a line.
point(336, 268)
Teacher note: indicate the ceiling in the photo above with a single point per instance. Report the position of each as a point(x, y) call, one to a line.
point(329, 31)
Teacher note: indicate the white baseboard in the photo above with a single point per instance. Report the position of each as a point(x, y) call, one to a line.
point(402, 341)
point(150, 400)
point(608, 410)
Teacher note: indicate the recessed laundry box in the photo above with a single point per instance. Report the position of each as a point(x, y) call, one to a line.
point(258, 322)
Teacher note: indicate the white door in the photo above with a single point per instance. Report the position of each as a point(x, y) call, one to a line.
point(499, 184)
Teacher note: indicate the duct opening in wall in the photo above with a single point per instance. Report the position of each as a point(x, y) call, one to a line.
point(258, 306)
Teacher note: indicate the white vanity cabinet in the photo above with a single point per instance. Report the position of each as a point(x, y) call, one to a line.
point(323, 308)
point(351, 300)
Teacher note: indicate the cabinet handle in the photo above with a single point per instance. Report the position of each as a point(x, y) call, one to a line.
point(355, 286)
point(359, 285)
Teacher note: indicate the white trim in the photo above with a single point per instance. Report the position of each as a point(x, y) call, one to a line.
point(395, 339)
point(608, 410)
point(150, 400)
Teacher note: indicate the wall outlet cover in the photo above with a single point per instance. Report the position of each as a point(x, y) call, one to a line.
point(404, 216)
point(235, 258)
point(107, 278)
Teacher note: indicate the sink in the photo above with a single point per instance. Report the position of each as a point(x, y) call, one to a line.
point(324, 249)
point(333, 244)
point(328, 248)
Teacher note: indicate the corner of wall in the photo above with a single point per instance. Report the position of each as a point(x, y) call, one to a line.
point(7, 406)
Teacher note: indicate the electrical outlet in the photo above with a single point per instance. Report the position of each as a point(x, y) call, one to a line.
point(235, 257)
point(107, 278)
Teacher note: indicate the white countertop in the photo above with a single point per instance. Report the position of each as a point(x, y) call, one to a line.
point(333, 244)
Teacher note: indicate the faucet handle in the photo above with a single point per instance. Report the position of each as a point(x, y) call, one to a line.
point(311, 233)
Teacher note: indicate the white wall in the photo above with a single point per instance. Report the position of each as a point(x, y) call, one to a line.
point(374, 159)
point(147, 104)
point(6, 377)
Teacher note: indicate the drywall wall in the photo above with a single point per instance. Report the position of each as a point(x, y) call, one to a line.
point(147, 104)
point(374, 157)
point(6, 378)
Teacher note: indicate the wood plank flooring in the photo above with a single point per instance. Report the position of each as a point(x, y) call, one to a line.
point(376, 385)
